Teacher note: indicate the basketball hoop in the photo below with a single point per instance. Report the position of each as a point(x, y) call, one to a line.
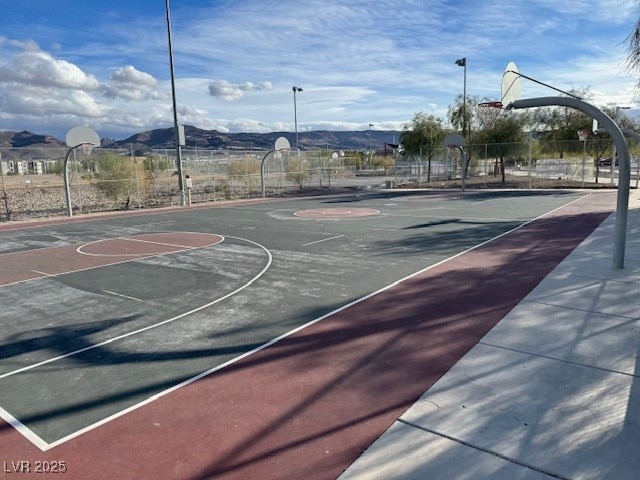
point(490, 105)
point(77, 137)
point(282, 153)
point(583, 135)
point(86, 148)
point(488, 112)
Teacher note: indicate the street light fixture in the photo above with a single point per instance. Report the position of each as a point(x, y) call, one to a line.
point(295, 115)
point(462, 62)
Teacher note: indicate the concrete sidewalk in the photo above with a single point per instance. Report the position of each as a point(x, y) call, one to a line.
point(552, 391)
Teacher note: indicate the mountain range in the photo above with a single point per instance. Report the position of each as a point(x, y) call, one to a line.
point(212, 139)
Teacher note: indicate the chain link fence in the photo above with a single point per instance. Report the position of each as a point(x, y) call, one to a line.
point(33, 186)
point(32, 183)
point(446, 164)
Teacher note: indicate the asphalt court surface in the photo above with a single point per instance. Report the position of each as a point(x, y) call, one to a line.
point(156, 300)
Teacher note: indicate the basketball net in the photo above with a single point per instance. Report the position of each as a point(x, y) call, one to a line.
point(283, 152)
point(488, 113)
point(86, 148)
point(583, 135)
point(453, 152)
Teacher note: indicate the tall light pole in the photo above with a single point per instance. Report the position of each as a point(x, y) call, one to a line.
point(175, 111)
point(462, 62)
point(295, 115)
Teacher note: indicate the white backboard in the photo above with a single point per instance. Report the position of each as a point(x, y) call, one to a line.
point(510, 84)
point(282, 144)
point(81, 135)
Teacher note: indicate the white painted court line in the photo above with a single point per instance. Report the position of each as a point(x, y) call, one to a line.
point(140, 256)
point(26, 432)
point(323, 240)
point(86, 269)
point(289, 333)
point(44, 446)
point(45, 274)
point(155, 325)
point(131, 239)
point(115, 294)
point(185, 248)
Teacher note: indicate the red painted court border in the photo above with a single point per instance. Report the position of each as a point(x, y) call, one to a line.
point(336, 213)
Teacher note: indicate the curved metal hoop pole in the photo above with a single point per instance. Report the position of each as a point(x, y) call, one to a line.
point(264, 189)
point(465, 159)
point(67, 190)
point(622, 208)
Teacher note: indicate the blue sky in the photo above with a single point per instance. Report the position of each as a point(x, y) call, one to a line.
point(104, 63)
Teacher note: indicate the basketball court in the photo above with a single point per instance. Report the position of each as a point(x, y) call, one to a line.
point(271, 339)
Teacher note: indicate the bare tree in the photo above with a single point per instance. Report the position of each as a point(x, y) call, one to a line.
point(422, 137)
point(296, 171)
point(504, 139)
point(633, 46)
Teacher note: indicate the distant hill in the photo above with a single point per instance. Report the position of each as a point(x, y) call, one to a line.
point(212, 139)
point(28, 139)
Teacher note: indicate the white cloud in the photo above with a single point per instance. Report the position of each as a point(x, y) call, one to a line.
point(36, 101)
point(132, 84)
point(37, 68)
point(228, 91)
point(35, 84)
